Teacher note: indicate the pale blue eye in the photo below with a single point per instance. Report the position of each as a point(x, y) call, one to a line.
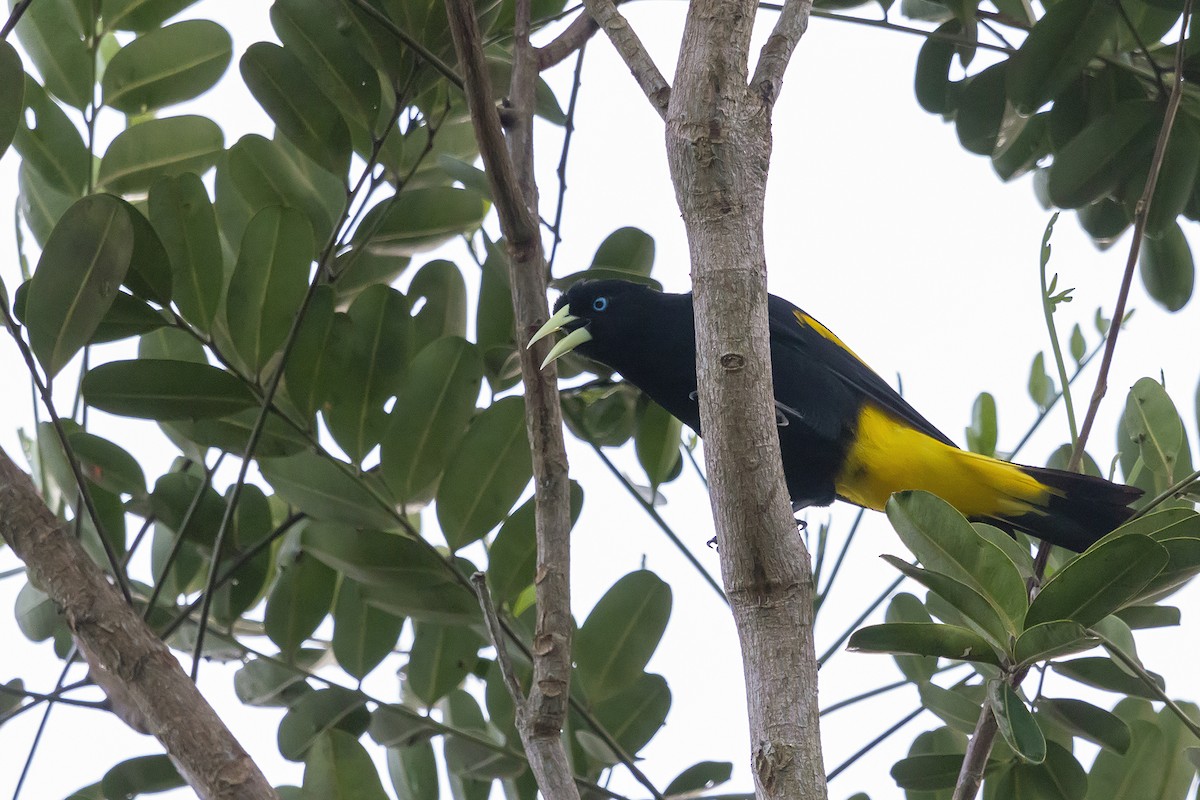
point(600, 303)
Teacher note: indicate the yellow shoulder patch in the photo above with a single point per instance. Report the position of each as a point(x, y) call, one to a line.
point(825, 333)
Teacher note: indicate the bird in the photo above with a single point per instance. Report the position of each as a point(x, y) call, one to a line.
point(844, 433)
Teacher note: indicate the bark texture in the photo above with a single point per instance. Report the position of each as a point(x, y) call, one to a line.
point(719, 146)
point(122, 651)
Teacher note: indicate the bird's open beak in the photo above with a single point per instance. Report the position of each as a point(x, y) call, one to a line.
point(561, 318)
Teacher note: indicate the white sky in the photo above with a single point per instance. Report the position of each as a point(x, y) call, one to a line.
point(880, 225)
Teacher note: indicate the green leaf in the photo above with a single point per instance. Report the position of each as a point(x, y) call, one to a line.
point(1148, 616)
point(52, 146)
point(36, 614)
point(337, 767)
point(469, 761)
point(421, 219)
point(77, 276)
point(362, 635)
point(513, 554)
point(441, 286)
point(1154, 425)
point(162, 389)
point(1015, 550)
point(982, 432)
point(966, 600)
point(142, 775)
point(905, 607)
point(1098, 582)
point(330, 58)
point(486, 474)
point(982, 116)
point(299, 109)
point(108, 465)
point(149, 150)
point(1104, 220)
point(413, 771)
point(1059, 777)
point(167, 66)
point(635, 714)
point(441, 656)
point(1089, 722)
point(1078, 344)
point(258, 173)
point(1022, 144)
point(376, 355)
point(700, 778)
point(1095, 162)
point(149, 275)
point(51, 33)
point(375, 557)
point(139, 15)
point(1167, 269)
point(183, 217)
point(1103, 673)
point(1048, 640)
point(1131, 775)
point(12, 94)
point(936, 93)
point(315, 714)
point(315, 365)
point(263, 682)
point(268, 283)
point(318, 487)
point(924, 639)
point(299, 600)
point(1041, 387)
point(1176, 178)
point(657, 443)
point(128, 316)
point(627, 250)
point(952, 706)
point(40, 204)
point(925, 773)
point(1057, 49)
point(945, 542)
point(616, 641)
point(1015, 722)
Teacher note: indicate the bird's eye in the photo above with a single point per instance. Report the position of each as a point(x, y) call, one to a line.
point(600, 303)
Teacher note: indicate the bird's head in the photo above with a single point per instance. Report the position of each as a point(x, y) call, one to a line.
point(600, 318)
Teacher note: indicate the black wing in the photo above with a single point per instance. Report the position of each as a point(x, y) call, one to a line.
point(822, 352)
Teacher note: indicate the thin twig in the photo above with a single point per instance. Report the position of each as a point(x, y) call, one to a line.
point(776, 52)
point(410, 42)
point(1167, 494)
point(634, 53)
point(492, 620)
point(41, 729)
point(1045, 412)
point(54, 697)
point(871, 745)
point(568, 133)
point(18, 11)
point(955, 38)
point(1050, 303)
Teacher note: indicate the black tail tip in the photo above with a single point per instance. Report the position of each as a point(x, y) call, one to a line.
point(1082, 509)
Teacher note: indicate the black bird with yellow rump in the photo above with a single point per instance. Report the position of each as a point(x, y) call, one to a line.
point(844, 433)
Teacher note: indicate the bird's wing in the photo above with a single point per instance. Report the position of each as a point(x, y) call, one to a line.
point(793, 329)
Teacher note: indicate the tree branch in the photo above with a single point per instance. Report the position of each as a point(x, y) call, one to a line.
point(119, 645)
point(509, 168)
point(777, 50)
point(636, 57)
point(574, 37)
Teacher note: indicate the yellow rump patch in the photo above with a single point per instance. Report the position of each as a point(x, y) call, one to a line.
point(889, 456)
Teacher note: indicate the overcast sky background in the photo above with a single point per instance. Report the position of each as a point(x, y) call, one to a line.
point(878, 224)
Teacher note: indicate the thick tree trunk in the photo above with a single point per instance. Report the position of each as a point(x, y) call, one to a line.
point(719, 146)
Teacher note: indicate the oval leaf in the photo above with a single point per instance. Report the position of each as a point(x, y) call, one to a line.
point(162, 389)
point(77, 276)
point(145, 152)
point(616, 641)
point(167, 66)
point(486, 474)
point(924, 639)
